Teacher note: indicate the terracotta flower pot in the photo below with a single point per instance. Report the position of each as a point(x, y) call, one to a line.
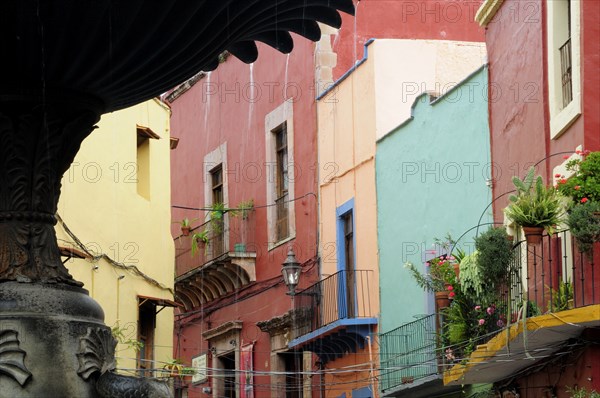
point(533, 235)
point(442, 300)
point(185, 231)
point(456, 267)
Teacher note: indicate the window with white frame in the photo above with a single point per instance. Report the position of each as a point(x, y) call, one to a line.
point(216, 193)
point(564, 63)
point(279, 139)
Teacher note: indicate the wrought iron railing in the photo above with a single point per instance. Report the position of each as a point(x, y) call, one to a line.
point(553, 275)
point(566, 72)
point(343, 295)
point(230, 234)
point(409, 353)
point(549, 276)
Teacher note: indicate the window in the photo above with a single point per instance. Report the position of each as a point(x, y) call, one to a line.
point(279, 134)
point(346, 260)
point(146, 326)
point(144, 135)
point(217, 225)
point(216, 193)
point(282, 183)
point(564, 75)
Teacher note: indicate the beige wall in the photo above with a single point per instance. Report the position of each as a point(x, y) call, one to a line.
point(346, 159)
point(102, 205)
point(404, 69)
point(368, 104)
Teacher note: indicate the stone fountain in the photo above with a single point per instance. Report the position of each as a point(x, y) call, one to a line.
point(63, 64)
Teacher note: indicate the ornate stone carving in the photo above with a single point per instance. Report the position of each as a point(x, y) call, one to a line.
point(96, 352)
point(112, 385)
point(12, 357)
point(38, 142)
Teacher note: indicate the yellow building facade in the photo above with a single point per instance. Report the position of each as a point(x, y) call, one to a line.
point(115, 212)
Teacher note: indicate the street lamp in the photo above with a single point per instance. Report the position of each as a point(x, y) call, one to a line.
point(291, 272)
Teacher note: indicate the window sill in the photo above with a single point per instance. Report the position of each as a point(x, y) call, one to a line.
point(281, 242)
point(560, 122)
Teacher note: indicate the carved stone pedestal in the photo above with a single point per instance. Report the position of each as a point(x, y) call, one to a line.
point(42, 330)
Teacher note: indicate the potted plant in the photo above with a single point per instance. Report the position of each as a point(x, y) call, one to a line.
point(199, 236)
point(185, 227)
point(535, 207)
point(440, 280)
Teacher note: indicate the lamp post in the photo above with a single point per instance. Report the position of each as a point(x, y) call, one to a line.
point(291, 270)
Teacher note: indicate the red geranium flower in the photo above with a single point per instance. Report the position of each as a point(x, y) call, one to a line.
point(584, 200)
point(452, 294)
point(557, 175)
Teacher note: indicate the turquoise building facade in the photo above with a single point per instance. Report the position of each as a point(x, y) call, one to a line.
point(432, 179)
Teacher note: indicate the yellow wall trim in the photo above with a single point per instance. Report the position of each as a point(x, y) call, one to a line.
point(485, 352)
point(487, 11)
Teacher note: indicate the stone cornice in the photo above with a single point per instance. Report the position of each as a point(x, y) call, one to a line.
point(222, 329)
point(487, 11)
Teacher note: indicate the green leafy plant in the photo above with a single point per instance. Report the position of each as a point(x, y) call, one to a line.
point(176, 368)
point(584, 223)
point(493, 259)
point(119, 333)
point(578, 392)
point(584, 185)
point(534, 204)
point(243, 209)
point(471, 278)
point(562, 299)
point(199, 236)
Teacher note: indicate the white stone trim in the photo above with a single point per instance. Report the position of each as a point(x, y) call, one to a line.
point(283, 113)
point(562, 118)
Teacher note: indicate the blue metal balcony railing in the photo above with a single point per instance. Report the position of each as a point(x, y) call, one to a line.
point(343, 295)
point(409, 353)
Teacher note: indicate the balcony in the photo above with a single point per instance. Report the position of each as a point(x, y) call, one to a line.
point(222, 260)
point(560, 286)
point(338, 314)
point(411, 360)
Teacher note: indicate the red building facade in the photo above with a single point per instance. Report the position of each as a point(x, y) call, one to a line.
point(544, 58)
point(247, 157)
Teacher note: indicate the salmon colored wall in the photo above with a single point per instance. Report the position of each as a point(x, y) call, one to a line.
point(339, 381)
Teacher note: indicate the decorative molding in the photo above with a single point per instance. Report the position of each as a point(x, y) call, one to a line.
point(486, 12)
point(12, 357)
point(37, 145)
point(96, 352)
point(222, 329)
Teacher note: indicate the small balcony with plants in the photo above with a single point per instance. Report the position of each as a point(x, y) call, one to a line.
point(515, 300)
point(518, 301)
point(337, 314)
point(215, 257)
